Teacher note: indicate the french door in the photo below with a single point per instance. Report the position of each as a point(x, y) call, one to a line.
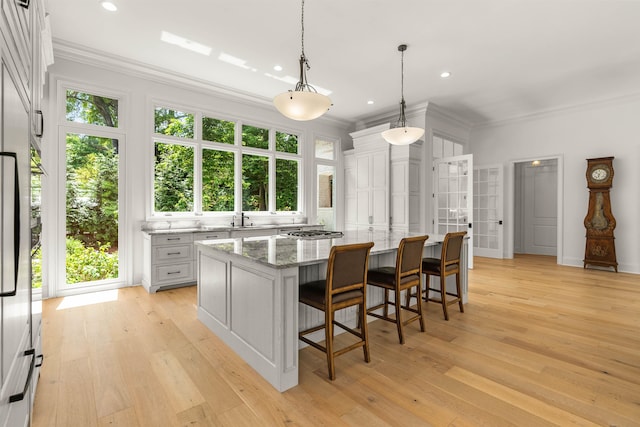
point(90, 228)
point(488, 211)
point(453, 196)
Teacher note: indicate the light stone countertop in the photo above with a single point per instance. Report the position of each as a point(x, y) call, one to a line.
point(285, 252)
point(206, 228)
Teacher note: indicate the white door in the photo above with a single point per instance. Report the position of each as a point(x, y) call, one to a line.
point(540, 208)
point(453, 196)
point(488, 211)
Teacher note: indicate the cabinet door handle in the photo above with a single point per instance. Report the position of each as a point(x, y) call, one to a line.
point(40, 124)
point(173, 238)
point(41, 357)
point(16, 226)
point(173, 272)
point(174, 253)
point(19, 396)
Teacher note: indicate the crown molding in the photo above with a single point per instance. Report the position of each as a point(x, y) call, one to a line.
point(78, 53)
point(634, 97)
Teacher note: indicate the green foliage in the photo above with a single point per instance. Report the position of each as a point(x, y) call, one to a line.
point(173, 183)
point(85, 264)
point(92, 189)
point(218, 130)
point(218, 177)
point(255, 137)
point(92, 109)
point(255, 182)
point(286, 143)
point(175, 123)
point(286, 185)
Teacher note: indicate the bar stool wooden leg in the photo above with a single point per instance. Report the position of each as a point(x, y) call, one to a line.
point(459, 293)
point(329, 315)
point(365, 333)
point(398, 315)
point(443, 296)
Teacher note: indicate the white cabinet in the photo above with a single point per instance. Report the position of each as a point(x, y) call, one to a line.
point(367, 180)
point(405, 187)
point(169, 261)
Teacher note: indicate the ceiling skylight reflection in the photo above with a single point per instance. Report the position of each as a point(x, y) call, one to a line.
point(233, 60)
point(170, 38)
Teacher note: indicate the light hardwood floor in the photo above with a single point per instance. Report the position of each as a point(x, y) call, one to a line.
point(539, 344)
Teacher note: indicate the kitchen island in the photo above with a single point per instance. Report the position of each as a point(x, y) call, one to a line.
point(248, 292)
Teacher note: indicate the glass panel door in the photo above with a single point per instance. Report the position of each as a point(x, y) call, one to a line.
point(453, 196)
point(487, 208)
point(92, 210)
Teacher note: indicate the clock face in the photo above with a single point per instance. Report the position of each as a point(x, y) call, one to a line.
point(599, 174)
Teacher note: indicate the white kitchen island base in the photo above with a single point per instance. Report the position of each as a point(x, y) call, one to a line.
point(248, 294)
point(254, 310)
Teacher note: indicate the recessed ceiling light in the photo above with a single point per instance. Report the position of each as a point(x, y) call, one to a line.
point(277, 68)
point(185, 43)
point(445, 74)
point(370, 102)
point(109, 5)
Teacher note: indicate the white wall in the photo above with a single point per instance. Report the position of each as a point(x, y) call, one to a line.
point(140, 90)
point(598, 130)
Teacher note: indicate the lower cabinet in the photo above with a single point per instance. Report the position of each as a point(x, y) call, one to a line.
point(169, 261)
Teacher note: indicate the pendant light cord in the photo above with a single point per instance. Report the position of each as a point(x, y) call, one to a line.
point(402, 121)
point(302, 84)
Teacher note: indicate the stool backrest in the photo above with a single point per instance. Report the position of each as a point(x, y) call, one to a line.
point(347, 267)
point(409, 258)
point(451, 247)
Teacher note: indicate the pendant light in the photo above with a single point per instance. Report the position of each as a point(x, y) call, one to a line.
point(303, 103)
point(402, 134)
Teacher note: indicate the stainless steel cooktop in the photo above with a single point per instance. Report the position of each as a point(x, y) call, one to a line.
point(314, 234)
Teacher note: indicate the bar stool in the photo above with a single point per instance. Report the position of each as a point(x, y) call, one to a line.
point(447, 265)
point(405, 275)
point(344, 286)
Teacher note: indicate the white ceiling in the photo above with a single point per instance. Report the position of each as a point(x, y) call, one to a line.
point(508, 58)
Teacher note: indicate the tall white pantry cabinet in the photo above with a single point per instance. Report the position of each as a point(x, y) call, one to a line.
point(22, 68)
point(382, 182)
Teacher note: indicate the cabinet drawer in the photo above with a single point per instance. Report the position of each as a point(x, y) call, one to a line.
point(210, 235)
point(171, 239)
point(177, 273)
point(173, 253)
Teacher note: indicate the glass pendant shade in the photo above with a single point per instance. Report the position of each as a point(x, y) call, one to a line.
point(402, 135)
point(302, 105)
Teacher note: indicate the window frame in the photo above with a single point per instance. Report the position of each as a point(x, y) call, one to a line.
point(238, 149)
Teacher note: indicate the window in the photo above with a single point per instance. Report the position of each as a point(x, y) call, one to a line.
point(173, 178)
point(218, 176)
point(175, 123)
point(325, 182)
point(286, 185)
point(200, 159)
point(91, 109)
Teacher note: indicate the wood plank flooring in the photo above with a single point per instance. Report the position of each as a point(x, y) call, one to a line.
point(538, 345)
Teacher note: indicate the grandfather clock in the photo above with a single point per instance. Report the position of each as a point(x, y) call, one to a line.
point(600, 248)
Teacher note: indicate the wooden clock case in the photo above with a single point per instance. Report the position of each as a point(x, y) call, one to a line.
point(600, 245)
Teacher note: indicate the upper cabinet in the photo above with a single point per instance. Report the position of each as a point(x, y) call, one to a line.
point(382, 182)
point(28, 42)
point(367, 180)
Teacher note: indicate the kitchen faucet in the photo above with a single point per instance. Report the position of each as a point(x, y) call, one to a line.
point(242, 218)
